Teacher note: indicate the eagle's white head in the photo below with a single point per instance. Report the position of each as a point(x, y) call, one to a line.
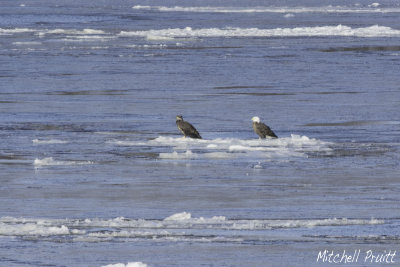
point(256, 119)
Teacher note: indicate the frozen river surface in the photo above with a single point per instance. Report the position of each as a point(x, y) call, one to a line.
point(94, 172)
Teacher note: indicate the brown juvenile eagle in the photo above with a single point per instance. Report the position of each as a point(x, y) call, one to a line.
point(261, 129)
point(186, 128)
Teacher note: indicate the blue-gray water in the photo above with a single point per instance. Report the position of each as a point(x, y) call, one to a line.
point(93, 170)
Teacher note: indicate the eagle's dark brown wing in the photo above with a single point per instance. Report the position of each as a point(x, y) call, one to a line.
point(263, 130)
point(187, 129)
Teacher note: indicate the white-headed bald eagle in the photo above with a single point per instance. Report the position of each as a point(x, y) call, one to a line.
point(261, 129)
point(186, 128)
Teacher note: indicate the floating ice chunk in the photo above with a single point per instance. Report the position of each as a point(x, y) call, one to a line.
point(228, 148)
point(338, 30)
point(136, 264)
point(184, 217)
point(374, 5)
point(266, 9)
point(27, 43)
point(213, 219)
point(179, 217)
point(141, 7)
point(50, 141)
point(175, 155)
point(75, 34)
point(91, 31)
point(73, 31)
point(126, 143)
point(322, 222)
point(15, 30)
point(51, 162)
point(151, 37)
point(191, 229)
point(257, 166)
point(129, 264)
point(44, 162)
point(32, 229)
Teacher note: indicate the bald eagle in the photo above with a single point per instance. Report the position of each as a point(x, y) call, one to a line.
point(261, 129)
point(186, 128)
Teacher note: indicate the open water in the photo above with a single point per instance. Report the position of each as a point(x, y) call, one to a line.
point(94, 172)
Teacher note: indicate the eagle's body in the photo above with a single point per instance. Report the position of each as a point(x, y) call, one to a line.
point(261, 129)
point(186, 128)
